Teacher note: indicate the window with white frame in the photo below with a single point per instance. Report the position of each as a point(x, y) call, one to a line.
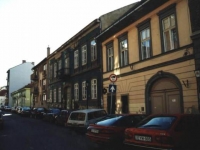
point(45, 67)
point(55, 70)
point(76, 92)
point(66, 65)
point(50, 96)
point(168, 28)
point(59, 94)
point(123, 45)
point(84, 54)
point(94, 88)
point(110, 57)
point(84, 90)
point(44, 97)
point(59, 64)
point(145, 43)
point(54, 95)
point(76, 59)
point(169, 33)
point(50, 71)
point(93, 50)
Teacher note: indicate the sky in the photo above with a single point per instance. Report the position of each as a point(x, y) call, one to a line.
point(28, 27)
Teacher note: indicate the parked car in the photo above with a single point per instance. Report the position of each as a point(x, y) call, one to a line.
point(50, 114)
point(165, 131)
point(7, 108)
point(38, 112)
point(80, 119)
point(18, 109)
point(2, 107)
point(62, 117)
point(25, 111)
point(110, 131)
point(13, 109)
point(1, 120)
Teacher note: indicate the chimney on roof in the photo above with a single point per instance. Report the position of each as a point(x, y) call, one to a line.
point(23, 61)
point(33, 63)
point(48, 51)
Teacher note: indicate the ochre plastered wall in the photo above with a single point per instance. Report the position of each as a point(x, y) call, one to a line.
point(134, 85)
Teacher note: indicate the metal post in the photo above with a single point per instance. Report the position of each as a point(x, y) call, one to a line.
point(111, 103)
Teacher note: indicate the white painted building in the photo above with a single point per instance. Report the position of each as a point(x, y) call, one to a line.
point(17, 77)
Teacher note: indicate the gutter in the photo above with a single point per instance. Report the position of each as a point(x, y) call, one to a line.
point(122, 19)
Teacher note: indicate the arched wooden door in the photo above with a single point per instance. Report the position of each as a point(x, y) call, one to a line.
point(165, 97)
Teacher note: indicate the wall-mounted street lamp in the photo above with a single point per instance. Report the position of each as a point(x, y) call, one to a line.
point(197, 73)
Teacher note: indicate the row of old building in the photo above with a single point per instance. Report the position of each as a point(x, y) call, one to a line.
point(150, 47)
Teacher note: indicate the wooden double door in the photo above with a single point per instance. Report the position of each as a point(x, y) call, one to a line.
point(165, 97)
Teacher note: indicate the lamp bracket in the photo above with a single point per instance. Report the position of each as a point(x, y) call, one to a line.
point(186, 83)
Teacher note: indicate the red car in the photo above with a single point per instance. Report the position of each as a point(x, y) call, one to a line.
point(165, 131)
point(110, 131)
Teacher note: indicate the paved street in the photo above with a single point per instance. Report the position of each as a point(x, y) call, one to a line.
point(24, 133)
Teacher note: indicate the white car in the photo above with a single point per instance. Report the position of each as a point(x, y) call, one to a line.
point(80, 119)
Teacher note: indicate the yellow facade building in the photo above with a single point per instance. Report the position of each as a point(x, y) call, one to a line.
point(150, 50)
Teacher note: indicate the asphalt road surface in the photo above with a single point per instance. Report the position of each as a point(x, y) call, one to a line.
point(24, 133)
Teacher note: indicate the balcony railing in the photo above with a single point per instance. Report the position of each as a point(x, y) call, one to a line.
point(34, 77)
point(63, 73)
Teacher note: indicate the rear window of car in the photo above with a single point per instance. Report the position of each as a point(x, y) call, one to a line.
point(55, 110)
point(77, 116)
point(26, 108)
point(109, 122)
point(96, 114)
point(40, 109)
point(160, 122)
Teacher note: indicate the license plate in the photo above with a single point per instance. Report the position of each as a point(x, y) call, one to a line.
point(142, 138)
point(94, 131)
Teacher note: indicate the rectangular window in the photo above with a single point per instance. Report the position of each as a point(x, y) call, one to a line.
point(84, 54)
point(169, 33)
point(67, 65)
point(76, 59)
point(54, 95)
point(145, 43)
point(94, 88)
point(123, 48)
point(44, 97)
point(45, 67)
point(55, 70)
point(59, 64)
point(50, 96)
point(76, 92)
point(168, 28)
point(59, 94)
point(50, 71)
point(93, 50)
point(110, 58)
point(84, 90)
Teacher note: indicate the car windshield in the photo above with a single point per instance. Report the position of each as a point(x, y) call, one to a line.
point(159, 122)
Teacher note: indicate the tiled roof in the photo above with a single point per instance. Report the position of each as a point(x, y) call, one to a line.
point(3, 92)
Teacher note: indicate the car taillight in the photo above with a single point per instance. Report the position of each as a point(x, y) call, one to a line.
point(128, 135)
point(164, 139)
